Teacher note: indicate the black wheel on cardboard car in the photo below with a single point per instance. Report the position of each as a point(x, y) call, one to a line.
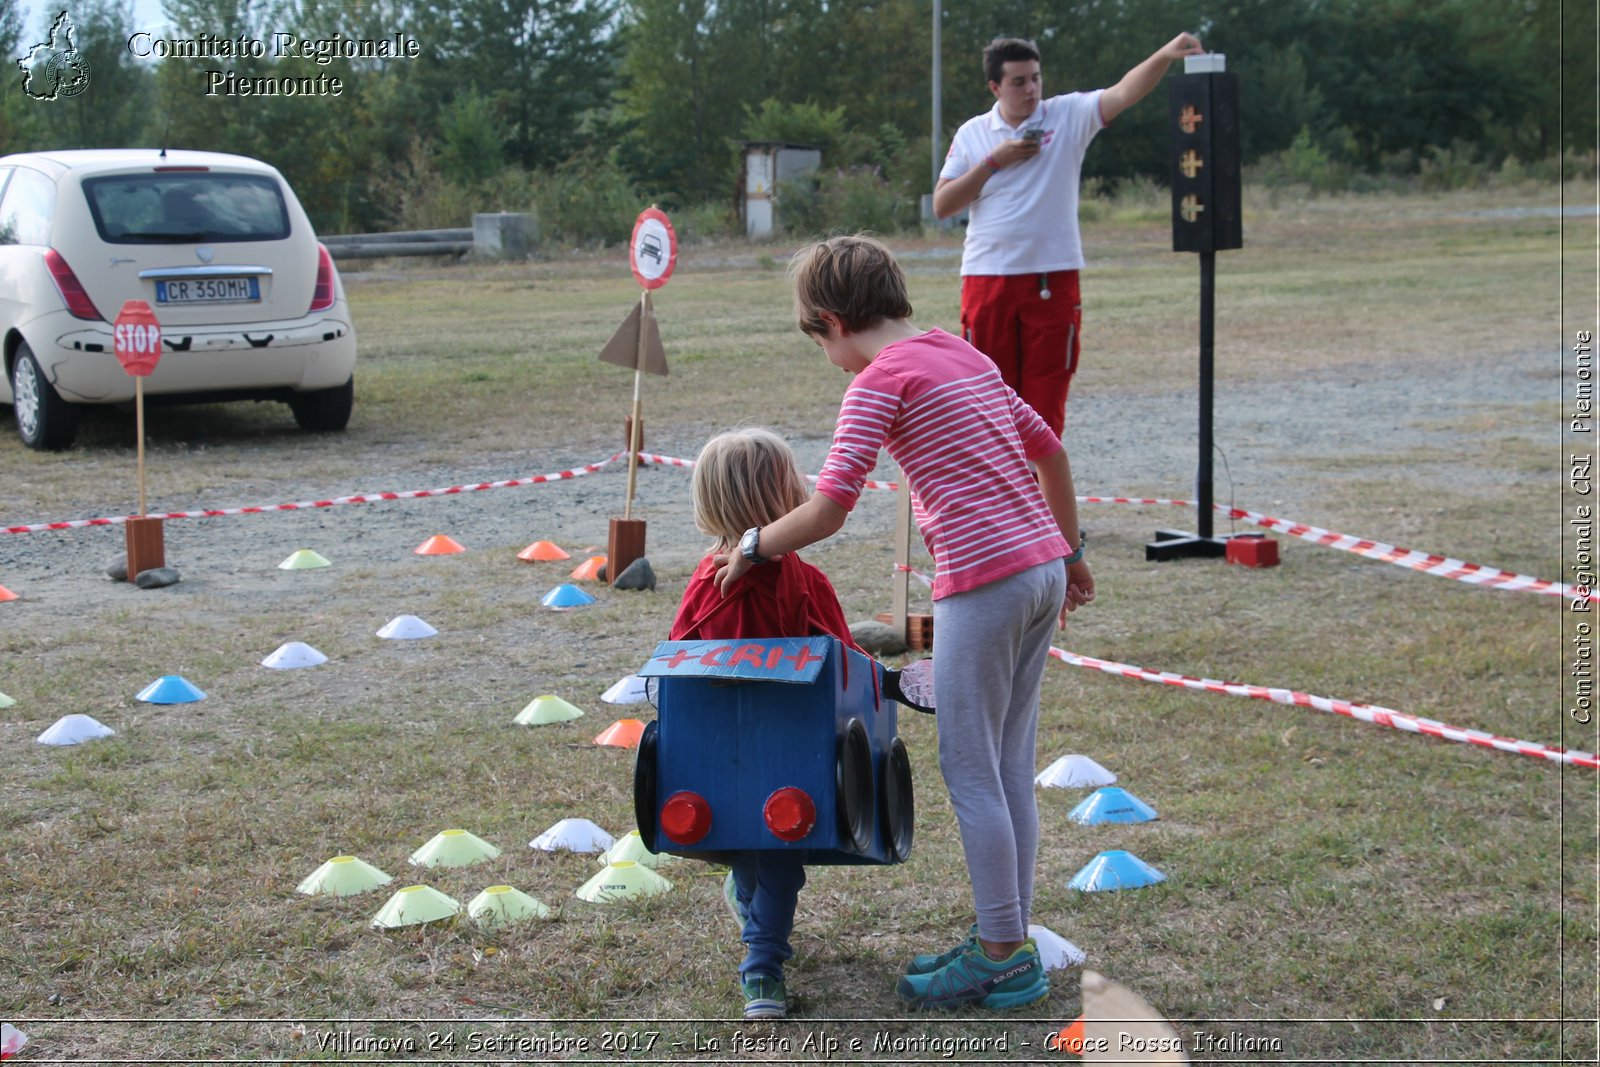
point(645, 784)
point(324, 410)
point(44, 420)
point(853, 787)
point(898, 802)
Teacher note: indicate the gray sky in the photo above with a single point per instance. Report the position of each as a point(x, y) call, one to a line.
point(36, 14)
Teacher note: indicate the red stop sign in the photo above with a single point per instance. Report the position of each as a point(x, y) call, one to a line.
point(137, 338)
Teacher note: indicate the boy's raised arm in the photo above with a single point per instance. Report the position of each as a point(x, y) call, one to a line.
point(1135, 85)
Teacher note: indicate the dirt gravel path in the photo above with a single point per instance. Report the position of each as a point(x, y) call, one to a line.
point(1275, 440)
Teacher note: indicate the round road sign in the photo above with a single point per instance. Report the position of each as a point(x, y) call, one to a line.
point(655, 248)
point(136, 338)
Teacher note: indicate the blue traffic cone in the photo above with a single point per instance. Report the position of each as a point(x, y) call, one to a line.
point(1111, 804)
point(566, 596)
point(1115, 870)
point(170, 689)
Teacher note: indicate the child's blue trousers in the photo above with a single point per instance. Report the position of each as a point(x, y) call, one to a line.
point(768, 885)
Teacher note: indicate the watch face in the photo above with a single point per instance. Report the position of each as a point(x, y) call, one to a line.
point(747, 544)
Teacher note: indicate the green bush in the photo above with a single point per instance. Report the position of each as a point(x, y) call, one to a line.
point(849, 200)
point(713, 220)
point(586, 200)
point(1456, 167)
point(1304, 163)
point(417, 196)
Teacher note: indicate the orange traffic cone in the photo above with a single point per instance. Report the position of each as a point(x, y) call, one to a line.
point(589, 569)
point(542, 552)
point(1069, 1039)
point(439, 545)
point(6, 594)
point(624, 733)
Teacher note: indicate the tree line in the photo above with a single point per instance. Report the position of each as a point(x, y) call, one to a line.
point(582, 109)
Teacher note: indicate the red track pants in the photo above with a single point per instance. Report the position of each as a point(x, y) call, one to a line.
point(1032, 338)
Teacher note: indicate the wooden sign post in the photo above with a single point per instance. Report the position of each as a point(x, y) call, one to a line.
point(137, 342)
point(637, 345)
point(915, 628)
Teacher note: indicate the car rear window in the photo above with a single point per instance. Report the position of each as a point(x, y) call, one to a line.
point(187, 206)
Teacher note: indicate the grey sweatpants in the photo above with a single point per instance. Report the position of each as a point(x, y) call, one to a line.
point(990, 648)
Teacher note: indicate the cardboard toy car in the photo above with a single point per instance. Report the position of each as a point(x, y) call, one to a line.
point(780, 743)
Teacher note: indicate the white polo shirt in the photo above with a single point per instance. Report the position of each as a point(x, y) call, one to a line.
point(1025, 220)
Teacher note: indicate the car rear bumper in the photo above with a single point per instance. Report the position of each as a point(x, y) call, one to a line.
point(316, 352)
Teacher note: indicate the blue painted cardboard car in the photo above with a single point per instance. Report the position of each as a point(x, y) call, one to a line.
point(773, 743)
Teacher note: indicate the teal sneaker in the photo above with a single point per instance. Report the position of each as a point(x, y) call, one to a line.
point(973, 978)
point(764, 998)
point(730, 894)
point(931, 962)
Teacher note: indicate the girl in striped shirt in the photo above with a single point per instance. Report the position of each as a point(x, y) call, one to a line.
point(965, 442)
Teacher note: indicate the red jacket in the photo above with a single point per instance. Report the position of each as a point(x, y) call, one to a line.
point(783, 598)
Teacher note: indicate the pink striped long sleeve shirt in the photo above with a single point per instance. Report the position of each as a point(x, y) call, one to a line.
point(963, 439)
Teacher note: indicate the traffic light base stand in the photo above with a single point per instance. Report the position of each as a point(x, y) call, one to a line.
point(1175, 544)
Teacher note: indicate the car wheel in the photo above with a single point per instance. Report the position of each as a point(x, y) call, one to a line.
point(324, 410)
point(645, 784)
point(853, 788)
point(44, 420)
point(898, 804)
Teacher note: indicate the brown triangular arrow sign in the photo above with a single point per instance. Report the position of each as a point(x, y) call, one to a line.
point(624, 348)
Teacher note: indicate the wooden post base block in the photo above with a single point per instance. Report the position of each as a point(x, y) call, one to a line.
point(624, 544)
point(146, 545)
point(919, 630)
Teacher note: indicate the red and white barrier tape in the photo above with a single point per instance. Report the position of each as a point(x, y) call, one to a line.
point(1372, 713)
point(672, 461)
point(361, 498)
point(1410, 558)
point(1426, 563)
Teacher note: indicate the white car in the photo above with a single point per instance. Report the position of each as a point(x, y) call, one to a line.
point(249, 302)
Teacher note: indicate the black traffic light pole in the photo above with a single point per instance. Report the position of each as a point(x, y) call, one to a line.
point(1208, 290)
point(1206, 202)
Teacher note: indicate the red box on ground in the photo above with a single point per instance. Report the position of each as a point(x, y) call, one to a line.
point(1253, 550)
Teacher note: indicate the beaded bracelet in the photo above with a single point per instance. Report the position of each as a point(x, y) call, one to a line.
point(988, 161)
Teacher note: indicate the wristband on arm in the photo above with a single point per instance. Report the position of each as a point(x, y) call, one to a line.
point(988, 161)
point(1078, 554)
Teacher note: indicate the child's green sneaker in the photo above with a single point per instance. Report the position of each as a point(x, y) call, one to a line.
point(973, 978)
point(931, 962)
point(764, 998)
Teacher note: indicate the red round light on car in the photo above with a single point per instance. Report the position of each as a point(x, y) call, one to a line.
point(789, 814)
point(685, 817)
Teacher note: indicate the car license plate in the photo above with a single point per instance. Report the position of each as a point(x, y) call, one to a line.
point(245, 290)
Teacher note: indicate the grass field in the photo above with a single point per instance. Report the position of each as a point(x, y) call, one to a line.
point(1349, 892)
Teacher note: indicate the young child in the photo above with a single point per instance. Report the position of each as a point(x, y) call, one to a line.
point(742, 479)
point(998, 538)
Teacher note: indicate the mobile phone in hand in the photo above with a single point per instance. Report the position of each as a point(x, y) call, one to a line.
point(1032, 134)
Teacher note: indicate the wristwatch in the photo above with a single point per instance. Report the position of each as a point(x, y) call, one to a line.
point(749, 545)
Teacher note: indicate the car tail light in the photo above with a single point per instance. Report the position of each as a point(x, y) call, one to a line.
point(685, 817)
point(789, 814)
point(70, 288)
point(322, 295)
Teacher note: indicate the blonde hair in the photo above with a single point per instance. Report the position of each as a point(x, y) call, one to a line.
point(744, 478)
point(855, 278)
